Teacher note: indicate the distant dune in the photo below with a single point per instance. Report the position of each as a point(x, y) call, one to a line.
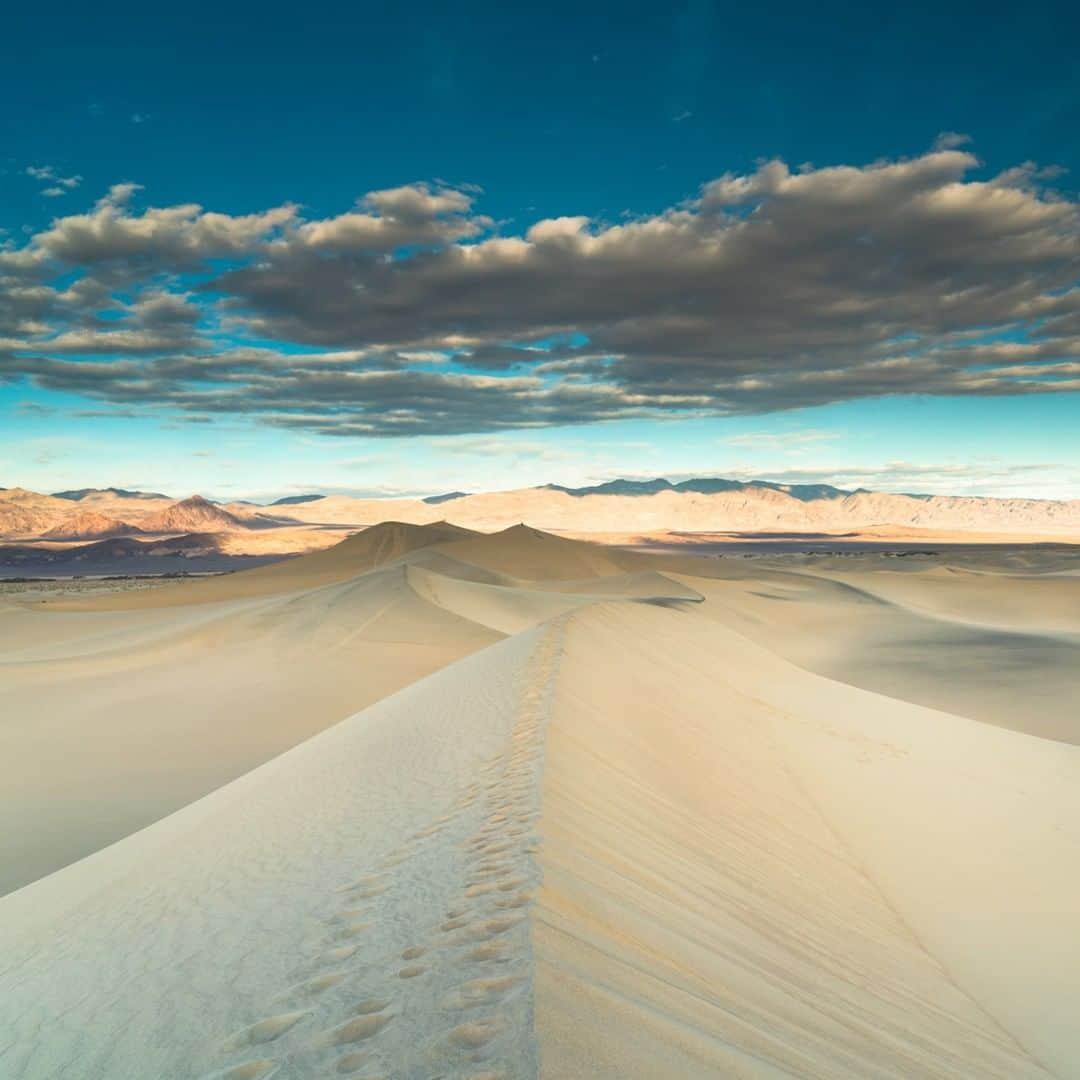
point(440, 802)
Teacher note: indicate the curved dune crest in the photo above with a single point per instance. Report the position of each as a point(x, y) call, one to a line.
point(606, 830)
point(532, 555)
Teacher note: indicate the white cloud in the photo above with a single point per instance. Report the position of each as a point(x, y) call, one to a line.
point(950, 140)
point(781, 440)
point(57, 184)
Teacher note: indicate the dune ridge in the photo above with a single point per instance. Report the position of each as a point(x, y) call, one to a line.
point(599, 814)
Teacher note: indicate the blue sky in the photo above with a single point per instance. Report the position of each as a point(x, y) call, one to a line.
point(515, 118)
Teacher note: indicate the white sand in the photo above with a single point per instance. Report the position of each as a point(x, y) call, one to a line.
point(338, 858)
point(755, 870)
point(625, 836)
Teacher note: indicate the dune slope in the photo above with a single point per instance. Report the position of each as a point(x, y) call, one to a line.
point(716, 900)
point(604, 832)
point(119, 709)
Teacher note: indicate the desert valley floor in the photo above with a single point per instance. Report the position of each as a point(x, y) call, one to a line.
point(438, 803)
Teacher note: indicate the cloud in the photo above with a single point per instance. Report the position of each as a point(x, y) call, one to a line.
point(167, 239)
point(105, 414)
point(517, 449)
point(34, 408)
point(766, 291)
point(771, 290)
point(86, 319)
point(781, 440)
point(385, 220)
point(57, 184)
point(950, 140)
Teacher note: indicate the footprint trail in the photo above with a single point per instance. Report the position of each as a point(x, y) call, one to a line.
point(421, 965)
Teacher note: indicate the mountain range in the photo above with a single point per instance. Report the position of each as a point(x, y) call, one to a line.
point(627, 509)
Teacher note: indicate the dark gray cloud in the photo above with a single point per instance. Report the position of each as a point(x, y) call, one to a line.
point(327, 393)
point(412, 314)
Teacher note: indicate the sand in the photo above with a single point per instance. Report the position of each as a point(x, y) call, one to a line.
point(434, 803)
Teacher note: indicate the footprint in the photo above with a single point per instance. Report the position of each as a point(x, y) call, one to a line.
point(353, 930)
point(473, 1036)
point(349, 914)
point(522, 899)
point(411, 972)
point(336, 956)
point(250, 1070)
point(494, 873)
point(482, 992)
point(369, 1006)
point(493, 927)
point(366, 892)
point(265, 1030)
point(491, 989)
point(491, 952)
point(492, 866)
point(352, 1062)
point(413, 953)
point(358, 1029)
point(316, 985)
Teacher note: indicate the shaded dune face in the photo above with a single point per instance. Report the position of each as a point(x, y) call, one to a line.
point(434, 802)
point(138, 703)
point(1010, 657)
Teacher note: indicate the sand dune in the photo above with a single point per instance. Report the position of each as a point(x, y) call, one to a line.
point(1019, 676)
point(533, 555)
point(130, 705)
point(706, 910)
point(1035, 603)
point(538, 808)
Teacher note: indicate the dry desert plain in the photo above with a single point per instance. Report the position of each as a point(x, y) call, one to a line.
point(438, 803)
